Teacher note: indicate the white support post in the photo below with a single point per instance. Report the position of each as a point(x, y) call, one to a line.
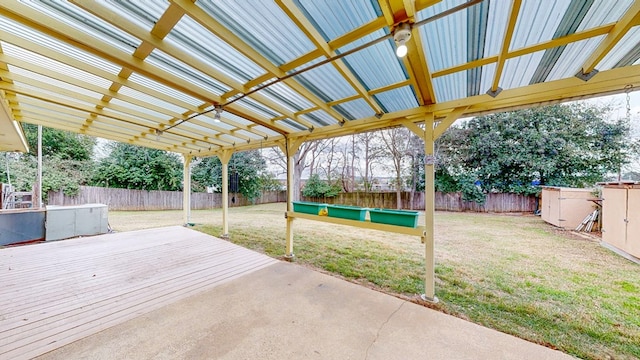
point(186, 190)
point(429, 209)
point(225, 157)
point(39, 195)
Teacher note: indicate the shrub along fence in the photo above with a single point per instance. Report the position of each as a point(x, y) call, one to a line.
point(127, 199)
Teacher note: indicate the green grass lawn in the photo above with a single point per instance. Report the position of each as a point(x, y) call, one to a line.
point(515, 274)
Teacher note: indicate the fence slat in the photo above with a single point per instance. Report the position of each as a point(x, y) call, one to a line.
point(127, 199)
point(499, 203)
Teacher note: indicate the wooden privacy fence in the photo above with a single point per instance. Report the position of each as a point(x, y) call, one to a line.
point(499, 203)
point(128, 199)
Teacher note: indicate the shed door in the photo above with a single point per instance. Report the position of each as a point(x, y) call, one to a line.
point(633, 222)
point(614, 213)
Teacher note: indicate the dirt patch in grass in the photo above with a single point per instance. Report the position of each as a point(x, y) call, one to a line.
point(515, 274)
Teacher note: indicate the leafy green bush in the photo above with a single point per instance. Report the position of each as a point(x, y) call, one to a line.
point(319, 188)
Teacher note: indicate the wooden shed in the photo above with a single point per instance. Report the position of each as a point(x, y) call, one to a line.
point(566, 207)
point(621, 217)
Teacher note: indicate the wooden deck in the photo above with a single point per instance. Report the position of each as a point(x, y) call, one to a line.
point(52, 294)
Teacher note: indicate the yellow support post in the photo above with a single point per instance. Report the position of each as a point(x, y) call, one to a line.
point(186, 190)
point(290, 147)
point(224, 159)
point(289, 250)
point(429, 209)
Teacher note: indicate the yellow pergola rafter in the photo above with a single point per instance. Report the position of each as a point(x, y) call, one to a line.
point(105, 111)
point(629, 19)
point(294, 13)
point(232, 39)
point(401, 11)
point(506, 43)
point(172, 50)
point(61, 31)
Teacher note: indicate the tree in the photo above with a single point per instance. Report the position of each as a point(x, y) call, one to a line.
point(301, 161)
point(371, 150)
point(398, 144)
point(319, 189)
point(249, 166)
point(561, 145)
point(133, 167)
point(66, 161)
point(63, 144)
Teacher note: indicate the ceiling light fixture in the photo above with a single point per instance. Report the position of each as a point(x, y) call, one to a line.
point(401, 35)
point(218, 110)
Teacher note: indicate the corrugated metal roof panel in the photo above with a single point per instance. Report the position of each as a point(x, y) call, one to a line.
point(326, 82)
point(86, 22)
point(572, 58)
point(488, 73)
point(146, 16)
point(152, 84)
point(451, 87)
point(377, 65)
point(284, 95)
point(257, 107)
point(519, 71)
point(333, 19)
point(355, 109)
point(293, 125)
point(38, 38)
point(37, 59)
point(53, 95)
point(604, 12)
point(439, 36)
point(151, 100)
point(625, 53)
point(196, 40)
point(537, 22)
point(263, 25)
point(53, 82)
point(397, 99)
point(186, 72)
point(140, 109)
point(265, 130)
point(319, 118)
point(552, 58)
point(496, 23)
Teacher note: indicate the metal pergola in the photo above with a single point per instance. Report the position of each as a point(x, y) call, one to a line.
point(209, 78)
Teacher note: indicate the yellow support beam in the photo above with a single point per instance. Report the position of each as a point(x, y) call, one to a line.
point(357, 33)
point(224, 157)
point(30, 17)
point(451, 117)
point(174, 51)
point(400, 11)
point(417, 130)
point(232, 39)
point(506, 43)
point(628, 20)
point(429, 210)
point(120, 115)
point(291, 9)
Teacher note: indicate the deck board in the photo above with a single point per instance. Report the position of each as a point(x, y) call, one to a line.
point(54, 293)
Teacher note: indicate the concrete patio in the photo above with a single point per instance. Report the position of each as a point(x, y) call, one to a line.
point(174, 293)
